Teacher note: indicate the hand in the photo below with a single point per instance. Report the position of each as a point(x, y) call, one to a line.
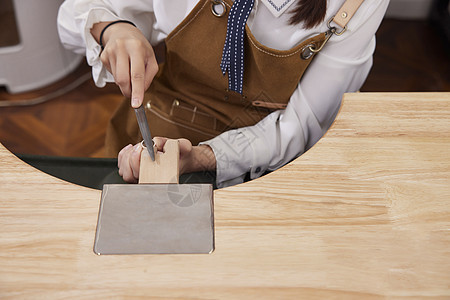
point(129, 160)
point(192, 158)
point(129, 57)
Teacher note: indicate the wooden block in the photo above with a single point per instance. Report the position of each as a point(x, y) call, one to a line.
point(165, 168)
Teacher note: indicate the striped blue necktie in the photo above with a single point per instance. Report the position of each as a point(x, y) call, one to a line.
point(233, 50)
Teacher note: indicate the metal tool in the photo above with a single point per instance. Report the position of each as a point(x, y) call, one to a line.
point(155, 219)
point(158, 215)
point(145, 130)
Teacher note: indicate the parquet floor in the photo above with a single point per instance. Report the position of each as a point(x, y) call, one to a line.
point(410, 56)
point(70, 125)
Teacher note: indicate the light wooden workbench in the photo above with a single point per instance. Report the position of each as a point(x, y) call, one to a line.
point(364, 213)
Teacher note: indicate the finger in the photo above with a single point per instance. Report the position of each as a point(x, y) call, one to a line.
point(128, 176)
point(135, 160)
point(151, 68)
point(125, 170)
point(122, 74)
point(108, 61)
point(137, 80)
point(159, 142)
point(120, 171)
point(124, 165)
point(122, 153)
point(185, 147)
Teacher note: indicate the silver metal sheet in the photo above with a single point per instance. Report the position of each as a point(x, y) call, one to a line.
point(155, 219)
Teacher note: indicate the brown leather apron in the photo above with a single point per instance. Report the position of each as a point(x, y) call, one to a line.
point(189, 96)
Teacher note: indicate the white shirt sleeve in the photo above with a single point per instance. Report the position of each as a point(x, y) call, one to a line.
point(76, 18)
point(342, 66)
point(155, 18)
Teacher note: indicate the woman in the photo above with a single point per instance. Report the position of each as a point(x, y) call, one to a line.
point(247, 100)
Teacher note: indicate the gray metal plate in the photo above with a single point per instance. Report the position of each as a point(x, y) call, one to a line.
point(155, 219)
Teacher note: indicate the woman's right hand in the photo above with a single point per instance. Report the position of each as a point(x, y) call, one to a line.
point(129, 57)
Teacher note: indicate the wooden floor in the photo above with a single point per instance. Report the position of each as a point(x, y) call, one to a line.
point(70, 125)
point(410, 56)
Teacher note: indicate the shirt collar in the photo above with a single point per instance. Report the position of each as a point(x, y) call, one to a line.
point(277, 7)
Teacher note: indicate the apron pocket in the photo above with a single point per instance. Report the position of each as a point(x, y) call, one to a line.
point(189, 117)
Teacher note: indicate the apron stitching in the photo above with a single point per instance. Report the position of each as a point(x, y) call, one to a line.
point(179, 124)
point(193, 114)
point(195, 16)
point(192, 19)
point(276, 55)
point(193, 110)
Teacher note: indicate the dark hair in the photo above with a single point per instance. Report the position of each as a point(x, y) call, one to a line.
point(309, 12)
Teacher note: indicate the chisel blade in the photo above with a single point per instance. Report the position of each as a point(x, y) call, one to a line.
point(145, 130)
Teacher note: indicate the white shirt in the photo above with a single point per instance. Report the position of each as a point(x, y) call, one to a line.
point(342, 66)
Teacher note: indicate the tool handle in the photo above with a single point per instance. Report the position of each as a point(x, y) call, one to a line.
point(165, 168)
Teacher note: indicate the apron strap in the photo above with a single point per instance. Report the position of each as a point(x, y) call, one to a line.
point(346, 12)
point(341, 18)
point(233, 50)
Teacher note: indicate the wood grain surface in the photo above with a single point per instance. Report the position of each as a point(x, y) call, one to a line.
point(165, 168)
point(364, 214)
